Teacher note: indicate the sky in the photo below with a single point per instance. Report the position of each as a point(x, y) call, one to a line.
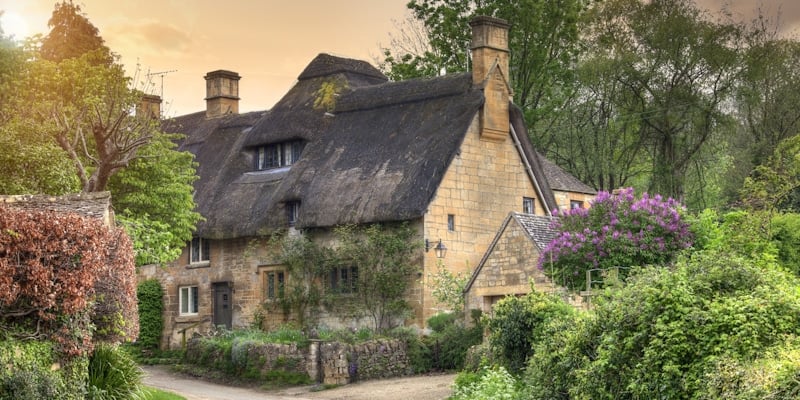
point(268, 42)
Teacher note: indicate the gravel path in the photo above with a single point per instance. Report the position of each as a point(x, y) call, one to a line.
point(429, 387)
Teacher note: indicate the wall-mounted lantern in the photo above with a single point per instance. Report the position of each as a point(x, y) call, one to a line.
point(440, 249)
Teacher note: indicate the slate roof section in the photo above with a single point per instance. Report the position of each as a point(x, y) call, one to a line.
point(563, 180)
point(538, 228)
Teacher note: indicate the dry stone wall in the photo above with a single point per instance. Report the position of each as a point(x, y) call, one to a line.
point(333, 363)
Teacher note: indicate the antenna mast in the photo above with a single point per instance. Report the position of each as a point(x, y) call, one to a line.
point(161, 74)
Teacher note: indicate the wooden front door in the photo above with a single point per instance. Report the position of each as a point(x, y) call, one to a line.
point(223, 312)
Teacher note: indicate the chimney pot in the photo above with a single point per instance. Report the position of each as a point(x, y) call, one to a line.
point(222, 93)
point(150, 106)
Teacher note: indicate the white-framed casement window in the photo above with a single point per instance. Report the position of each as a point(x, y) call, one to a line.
point(278, 155)
point(528, 205)
point(343, 280)
point(274, 284)
point(187, 297)
point(199, 251)
point(573, 204)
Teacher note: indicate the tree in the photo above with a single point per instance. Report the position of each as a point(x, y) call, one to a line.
point(618, 231)
point(543, 43)
point(72, 35)
point(382, 257)
point(153, 200)
point(677, 68)
point(775, 185)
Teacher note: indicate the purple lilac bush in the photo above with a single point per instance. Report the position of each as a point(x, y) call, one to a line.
point(619, 230)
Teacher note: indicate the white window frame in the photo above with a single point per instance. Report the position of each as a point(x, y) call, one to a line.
point(187, 300)
point(204, 248)
point(285, 154)
point(573, 203)
point(528, 205)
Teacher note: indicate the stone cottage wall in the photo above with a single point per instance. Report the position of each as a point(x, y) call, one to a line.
point(509, 270)
point(484, 182)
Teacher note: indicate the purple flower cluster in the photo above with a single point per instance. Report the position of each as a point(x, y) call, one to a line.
point(619, 230)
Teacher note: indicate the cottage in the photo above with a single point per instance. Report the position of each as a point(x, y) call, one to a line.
point(450, 155)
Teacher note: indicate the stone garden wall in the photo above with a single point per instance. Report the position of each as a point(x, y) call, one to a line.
point(324, 362)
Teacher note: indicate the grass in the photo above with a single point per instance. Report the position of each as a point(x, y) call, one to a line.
point(150, 393)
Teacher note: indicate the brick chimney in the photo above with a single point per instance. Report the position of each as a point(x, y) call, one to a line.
point(222, 93)
point(149, 105)
point(490, 72)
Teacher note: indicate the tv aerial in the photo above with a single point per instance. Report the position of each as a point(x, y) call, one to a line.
point(160, 74)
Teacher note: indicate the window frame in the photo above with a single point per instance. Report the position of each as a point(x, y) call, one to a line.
point(451, 222)
point(573, 203)
point(277, 155)
point(190, 301)
point(273, 292)
point(343, 280)
point(201, 245)
point(528, 205)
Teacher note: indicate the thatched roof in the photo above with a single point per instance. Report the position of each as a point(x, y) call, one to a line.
point(375, 151)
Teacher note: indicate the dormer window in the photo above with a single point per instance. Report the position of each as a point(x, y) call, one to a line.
point(278, 155)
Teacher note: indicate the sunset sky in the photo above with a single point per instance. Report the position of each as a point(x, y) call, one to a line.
point(268, 42)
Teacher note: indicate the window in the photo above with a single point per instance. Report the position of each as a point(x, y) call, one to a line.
point(199, 251)
point(573, 204)
point(528, 205)
point(188, 300)
point(278, 155)
point(292, 210)
point(275, 284)
point(451, 222)
point(344, 280)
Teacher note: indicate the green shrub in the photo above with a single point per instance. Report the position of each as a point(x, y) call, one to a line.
point(150, 297)
point(520, 322)
point(27, 372)
point(420, 356)
point(668, 332)
point(494, 384)
point(113, 375)
point(440, 321)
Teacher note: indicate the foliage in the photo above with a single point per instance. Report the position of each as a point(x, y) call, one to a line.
point(71, 35)
point(52, 265)
point(773, 184)
point(518, 323)
point(786, 236)
point(773, 375)
point(439, 322)
point(662, 334)
point(383, 257)
point(28, 372)
point(153, 200)
point(150, 297)
point(619, 230)
point(115, 314)
point(448, 288)
point(495, 383)
point(306, 264)
point(113, 375)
